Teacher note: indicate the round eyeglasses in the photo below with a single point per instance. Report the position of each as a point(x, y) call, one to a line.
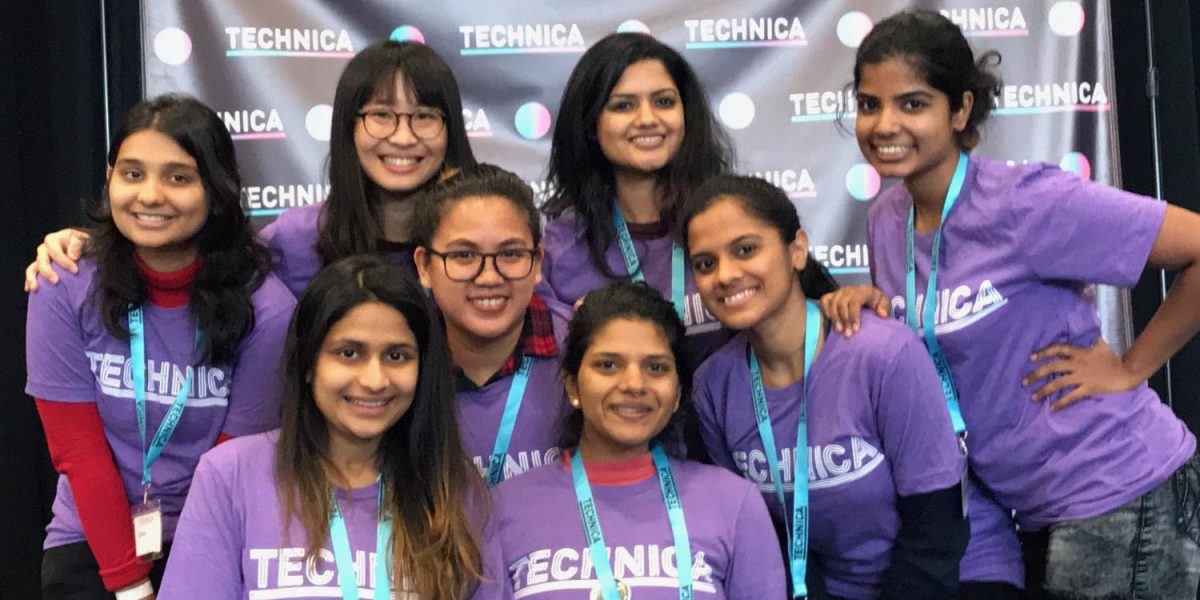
point(466, 265)
point(425, 123)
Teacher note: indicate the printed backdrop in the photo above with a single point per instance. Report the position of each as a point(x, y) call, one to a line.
point(775, 71)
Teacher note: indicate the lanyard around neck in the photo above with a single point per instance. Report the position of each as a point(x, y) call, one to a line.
point(925, 328)
point(137, 356)
point(347, 577)
point(516, 392)
point(633, 264)
point(595, 537)
point(798, 532)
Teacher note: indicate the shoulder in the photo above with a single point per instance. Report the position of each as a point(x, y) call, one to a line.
point(891, 205)
point(272, 298)
point(726, 358)
point(563, 229)
point(876, 346)
point(72, 289)
point(249, 456)
point(296, 224)
point(716, 485)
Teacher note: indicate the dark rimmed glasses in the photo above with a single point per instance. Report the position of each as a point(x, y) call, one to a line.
point(425, 123)
point(466, 265)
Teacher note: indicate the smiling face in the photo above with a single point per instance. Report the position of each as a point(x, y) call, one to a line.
point(402, 162)
point(157, 199)
point(365, 374)
point(489, 307)
point(627, 387)
point(641, 125)
point(743, 269)
point(905, 127)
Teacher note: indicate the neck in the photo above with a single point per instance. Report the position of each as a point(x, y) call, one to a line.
point(778, 342)
point(639, 197)
point(928, 191)
point(592, 448)
point(353, 463)
point(395, 213)
point(165, 260)
point(480, 358)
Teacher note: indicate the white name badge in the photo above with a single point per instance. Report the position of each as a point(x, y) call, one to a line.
point(147, 530)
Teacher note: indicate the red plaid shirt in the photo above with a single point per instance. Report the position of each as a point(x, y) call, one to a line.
point(537, 340)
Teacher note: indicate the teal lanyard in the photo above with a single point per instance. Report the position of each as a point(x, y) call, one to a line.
point(516, 392)
point(595, 537)
point(347, 577)
point(633, 265)
point(798, 535)
point(137, 352)
point(929, 310)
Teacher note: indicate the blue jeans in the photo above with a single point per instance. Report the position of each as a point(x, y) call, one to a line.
point(1148, 548)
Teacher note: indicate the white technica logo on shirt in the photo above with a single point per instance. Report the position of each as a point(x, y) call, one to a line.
point(829, 465)
point(114, 373)
point(957, 308)
point(551, 570)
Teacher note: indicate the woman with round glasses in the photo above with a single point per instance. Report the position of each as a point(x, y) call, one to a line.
point(397, 128)
point(480, 254)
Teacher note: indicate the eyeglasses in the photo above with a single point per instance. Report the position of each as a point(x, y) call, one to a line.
point(466, 265)
point(425, 123)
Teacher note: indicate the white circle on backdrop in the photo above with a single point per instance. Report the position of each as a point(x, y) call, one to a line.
point(317, 122)
point(736, 110)
point(173, 46)
point(1066, 18)
point(853, 27)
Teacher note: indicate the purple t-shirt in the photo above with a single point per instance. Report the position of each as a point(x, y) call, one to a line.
point(568, 275)
point(734, 554)
point(71, 357)
point(292, 238)
point(1018, 251)
point(877, 429)
point(232, 542)
point(538, 429)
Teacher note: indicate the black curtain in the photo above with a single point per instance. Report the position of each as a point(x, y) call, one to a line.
point(52, 146)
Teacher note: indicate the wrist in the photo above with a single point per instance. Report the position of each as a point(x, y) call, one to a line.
point(136, 591)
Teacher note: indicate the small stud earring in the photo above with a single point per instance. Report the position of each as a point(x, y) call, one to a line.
point(575, 402)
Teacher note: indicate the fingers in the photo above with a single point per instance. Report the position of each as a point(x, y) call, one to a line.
point(1056, 350)
point(883, 306)
point(43, 265)
point(1053, 387)
point(1078, 393)
point(75, 247)
point(1053, 367)
point(59, 248)
point(31, 284)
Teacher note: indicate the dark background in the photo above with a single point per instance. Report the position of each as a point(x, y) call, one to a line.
point(52, 146)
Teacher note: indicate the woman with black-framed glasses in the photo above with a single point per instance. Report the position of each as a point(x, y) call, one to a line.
point(483, 229)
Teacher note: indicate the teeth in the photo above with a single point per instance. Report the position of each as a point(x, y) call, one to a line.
point(892, 149)
point(742, 295)
point(401, 161)
point(647, 139)
point(632, 411)
point(368, 404)
point(488, 302)
point(153, 218)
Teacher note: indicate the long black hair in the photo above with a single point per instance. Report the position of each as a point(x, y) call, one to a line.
point(581, 177)
point(622, 299)
point(768, 204)
point(937, 49)
point(234, 262)
point(351, 222)
point(421, 457)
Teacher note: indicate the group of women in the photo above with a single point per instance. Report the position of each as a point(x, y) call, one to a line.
point(512, 412)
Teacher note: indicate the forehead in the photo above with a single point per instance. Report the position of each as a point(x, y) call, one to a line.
point(645, 75)
point(724, 220)
point(630, 337)
point(391, 88)
point(486, 216)
point(894, 75)
point(373, 323)
point(153, 147)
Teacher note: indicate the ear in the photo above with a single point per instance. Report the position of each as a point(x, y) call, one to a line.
point(799, 250)
point(422, 258)
point(572, 388)
point(537, 264)
point(959, 119)
point(108, 173)
point(678, 399)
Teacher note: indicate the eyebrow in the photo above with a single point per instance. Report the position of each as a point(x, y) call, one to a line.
point(602, 354)
point(514, 241)
point(669, 90)
point(133, 162)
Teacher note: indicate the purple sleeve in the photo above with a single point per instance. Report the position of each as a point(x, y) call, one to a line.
point(55, 360)
point(256, 390)
point(206, 554)
point(914, 423)
point(1073, 229)
point(706, 418)
point(756, 567)
point(552, 244)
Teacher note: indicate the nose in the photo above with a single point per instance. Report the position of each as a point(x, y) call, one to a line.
point(489, 273)
point(727, 271)
point(403, 135)
point(887, 121)
point(644, 114)
point(150, 190)
point(632, 379)
point(371, 375)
